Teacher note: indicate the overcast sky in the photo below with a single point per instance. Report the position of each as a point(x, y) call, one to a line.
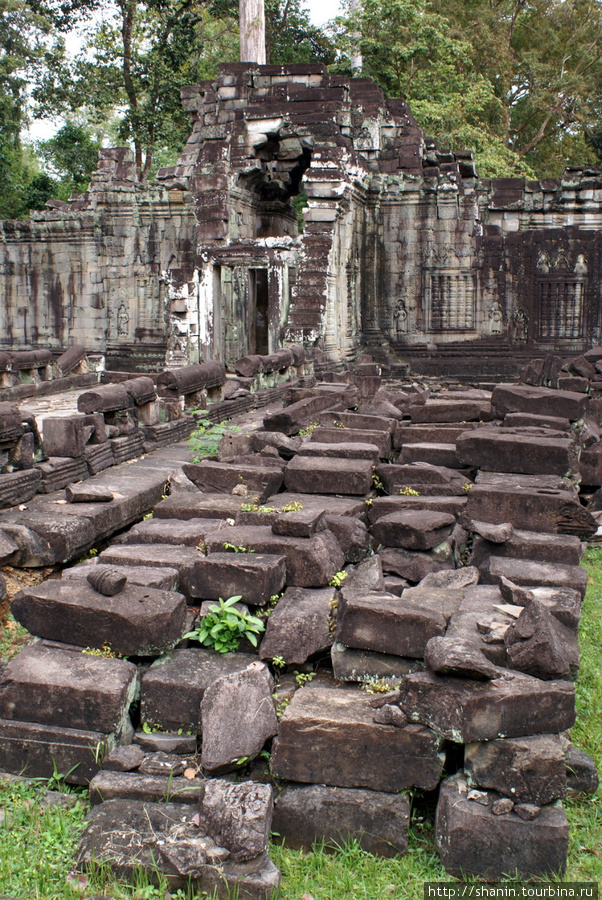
point(322, 10)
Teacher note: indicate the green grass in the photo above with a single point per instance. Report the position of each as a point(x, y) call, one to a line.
point(37, 844)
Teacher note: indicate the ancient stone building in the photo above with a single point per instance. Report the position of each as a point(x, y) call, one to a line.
point(403, 249)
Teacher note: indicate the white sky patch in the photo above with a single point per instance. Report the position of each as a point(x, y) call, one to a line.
point(320, 11)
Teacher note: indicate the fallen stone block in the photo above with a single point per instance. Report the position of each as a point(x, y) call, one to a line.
point(527, 573)
point(8, 548)
point(183, 559)
point(166, 742)
point(105, 398)
point(186, 532)
point(163, 579)
point(581, 773)
point(172, 689)
point(328, 504)
point(124, 759)
point(132, 836)
point(347, 450)
point(237, 816)
point(503, 450)
point(293, 418)
point(386, 623)
point(328, 736)
point(197, 505)
point(451, 411)
point(409, 433)
point(185, 380)
point(543, 510)
point(139, 621)
point(415, 565)
point(520, 420)
point(108, 785)
point(512, 705)
point(310, 562)
point(351, 535)
point(565, 549)
point(410, 529)
point(211, 476)
point(383, 506)
point(88, 493)
point(436, 454)
point(512, 398)
point(69, 689)
point(422, 478)
point(255, 576)
point(336, 475)
point(379, 438)
point(40, 751)
point(470, 839)
point(237, 717)
point(304, 814)
point(366, 666)
point(449, 656)
point(529, 769)
point(300, 625)
point(299, 523)
point(538, 644)
point(64, 435)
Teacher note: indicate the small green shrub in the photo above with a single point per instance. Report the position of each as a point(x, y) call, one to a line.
point(224, 626)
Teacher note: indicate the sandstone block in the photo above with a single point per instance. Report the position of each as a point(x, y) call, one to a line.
point(529, 769)
point(299, 625)
point(328, 476)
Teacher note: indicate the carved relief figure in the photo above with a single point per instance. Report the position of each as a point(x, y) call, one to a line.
point(400, 318)
point(123, 319)
point(580, 265)
point(543, 262)
point(496, 318)
point(520, 320)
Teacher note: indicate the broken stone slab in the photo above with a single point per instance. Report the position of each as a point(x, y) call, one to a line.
point(542, 510)
point(529, 769)
point(448, 656)
point(527, 573)
point(378, 438)
point(357, 421)
point(237, 717)
point(513, 593)
point(111, 785)
point(304, 814)
point(383, 506)
point(259, 481)
point(104, 398)
point(139, 621)
point(8, 548)
point(237, 816)
point(185, 380)
point(538, 644)
point(173, 688)
point(528, 482)
point(141, 389)
point(493, 534)
point(163, 579)
point(473, 841)
point(366, 666)
point(186, 532)
point(305, 475)
point(310, 562)
point(299, 625)
point(409, 433)
point(512, 398)
point(386, 623)
point(255, 576)
point(18, 487)
point(161, 763)
point(581, 772)
point(299, 523)
point(162, 838)
point(503, 450)
point(167, 742)
point(329, 504)
point(351, 535)
point(511, 705)
point(455, 579)
point(40, 751)
point(327, 736)
point(197, 505)
point(347, 450)
point(367, 575)
point(69, 689)
point(419, 529)
point(88, 493)
point(124, 759)
point(437, 454)
point(414, 566)
point(566, 549)
point(446, 411)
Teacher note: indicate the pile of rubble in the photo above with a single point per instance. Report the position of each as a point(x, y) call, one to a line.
point(422, 546)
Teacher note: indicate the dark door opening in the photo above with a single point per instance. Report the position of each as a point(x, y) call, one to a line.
point(258, 312)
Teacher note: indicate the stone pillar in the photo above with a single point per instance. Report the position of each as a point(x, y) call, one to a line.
point(252, 31)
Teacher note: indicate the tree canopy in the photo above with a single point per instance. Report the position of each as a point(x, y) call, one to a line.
point(517, 81)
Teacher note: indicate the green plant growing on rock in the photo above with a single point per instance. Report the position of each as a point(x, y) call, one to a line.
point(310, 428)
point(225, 626)
point(409, 492)
point(293, 506)
point(337, 579)
point(205, 439)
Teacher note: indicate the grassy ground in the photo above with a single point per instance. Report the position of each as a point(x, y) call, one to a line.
point(38, 841)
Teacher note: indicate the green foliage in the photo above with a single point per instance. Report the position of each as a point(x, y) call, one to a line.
point(73, 155)
point(337, 579)
point(237, 548)
point(293, 506)
point(292, 38)
point(224, 626)
point(205, 439)
point(409, 492)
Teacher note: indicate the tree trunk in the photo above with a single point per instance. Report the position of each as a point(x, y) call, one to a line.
point(252, 31)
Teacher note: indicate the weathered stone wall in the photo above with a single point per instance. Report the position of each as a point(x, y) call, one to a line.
point(403, 249)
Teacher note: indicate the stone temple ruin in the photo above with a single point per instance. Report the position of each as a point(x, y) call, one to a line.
point(410, 542)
